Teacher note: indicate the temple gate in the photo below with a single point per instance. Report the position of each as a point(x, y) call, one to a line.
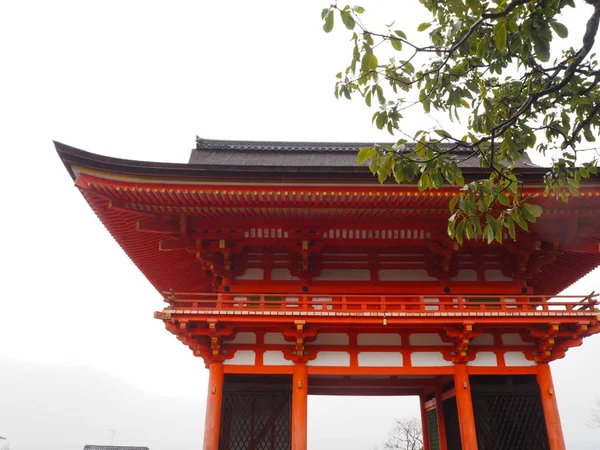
point(291, 272)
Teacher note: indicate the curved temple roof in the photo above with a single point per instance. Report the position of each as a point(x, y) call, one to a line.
point(230, 182)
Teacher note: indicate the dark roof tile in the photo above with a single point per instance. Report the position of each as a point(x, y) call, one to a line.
point(209, 152)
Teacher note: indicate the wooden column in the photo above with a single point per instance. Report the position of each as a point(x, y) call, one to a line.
point(299, 406)
point(424, 424)
point(214, 401)
point(466, 418)
point(439, 409)
point(555, 435)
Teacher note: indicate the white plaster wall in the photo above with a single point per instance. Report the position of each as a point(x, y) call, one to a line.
point(484, 359)
point(344, 275)
point(244, 338)
point(291, 302)
point(330, 339)
point(517, 359)
point(252, 274)
point(275, 358)
point(428, 359)
point(242, 358)
point(431, 303)
point(380, 359)
point(426, 339)
point(465, 275)
point(496, 275)
point(513, 339)
point(379, 339)
point(484, 339)
point(331, 359)
point(282, 274)
point(275, 339)
point(404, 275)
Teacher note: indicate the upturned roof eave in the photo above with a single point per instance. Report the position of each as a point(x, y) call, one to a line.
point(75, 157)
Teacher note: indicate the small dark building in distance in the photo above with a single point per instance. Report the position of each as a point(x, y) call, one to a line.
point(112, 447)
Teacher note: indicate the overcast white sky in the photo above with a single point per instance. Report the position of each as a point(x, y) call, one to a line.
point(79, 351)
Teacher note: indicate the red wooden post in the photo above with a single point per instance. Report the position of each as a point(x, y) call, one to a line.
point(439, 409)
point(466, 418)
point(299, 406)
point(555, 435)
point(214, 400)
point(424, 424)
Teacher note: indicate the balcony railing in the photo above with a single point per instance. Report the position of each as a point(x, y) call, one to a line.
point(329, 304)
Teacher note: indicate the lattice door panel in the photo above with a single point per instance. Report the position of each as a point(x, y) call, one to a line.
point(256, 421)
point(432, 427)
point(510, 420)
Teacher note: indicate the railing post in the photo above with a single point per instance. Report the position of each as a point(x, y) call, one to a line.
point(304, 302)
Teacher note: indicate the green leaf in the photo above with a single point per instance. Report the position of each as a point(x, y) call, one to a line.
point(397, 44)
point(453, 203)
point(510, 224)
point(542, 49)
point(369, 62)
point(533, 210)
point(437, 181)
point(458, 235)
point(423, 26)
point(489, 234)
point(560, 29)
point(451, 224)
point(365, 154)
point(500, 35)
point(380, 121)
point(503, 199)
point(423, 181)
point(400, 34)
point(348, 20)
point(328, 18)
point(474, 5)
point(521, 222)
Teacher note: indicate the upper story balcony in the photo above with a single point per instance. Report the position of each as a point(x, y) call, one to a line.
point(379, 309)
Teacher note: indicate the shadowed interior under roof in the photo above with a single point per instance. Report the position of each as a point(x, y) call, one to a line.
point(300, 154)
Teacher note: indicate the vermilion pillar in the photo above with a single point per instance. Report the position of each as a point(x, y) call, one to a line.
point(555, 435)
point(466, 418)
point(299, 406)
point(439, 409)
point(214, 400)
point(424, 424)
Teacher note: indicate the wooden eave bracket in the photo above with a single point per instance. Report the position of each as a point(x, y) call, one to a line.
point(298, 335)
point(461, 338)
point(552, 344)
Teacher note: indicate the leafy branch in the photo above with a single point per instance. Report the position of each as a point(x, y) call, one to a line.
point(513, 96)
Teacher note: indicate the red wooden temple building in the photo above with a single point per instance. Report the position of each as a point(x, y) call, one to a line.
point(291, 272)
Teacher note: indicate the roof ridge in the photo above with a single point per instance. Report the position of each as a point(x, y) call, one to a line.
point(289, 146)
